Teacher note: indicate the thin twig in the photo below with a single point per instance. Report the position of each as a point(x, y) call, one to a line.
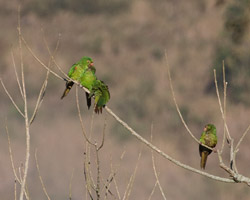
point(17, 78)
point(103, 132)
point(116, 185)
point(39, 61)
point(131, 180)
point(177, 107)
point(51, 55)
point(86, 176)
point(225, 103)
point(80, 118)
point(40, 177)
point(220, 105)
point(107, 184)
point(11, 155)
point(153, 190)
point(40, 98)
point(242, 137)
point(15, 190)
point(13, 102)
point(98, 173)
point(154, 168)
point(70, 185)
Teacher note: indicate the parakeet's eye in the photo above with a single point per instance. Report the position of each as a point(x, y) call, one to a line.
point(88, 61)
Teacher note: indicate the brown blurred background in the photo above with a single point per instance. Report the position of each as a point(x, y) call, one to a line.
point(127, 41)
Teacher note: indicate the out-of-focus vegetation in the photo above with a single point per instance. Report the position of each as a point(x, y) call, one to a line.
point(48, 8)
point(233, 48)
point(127, 41)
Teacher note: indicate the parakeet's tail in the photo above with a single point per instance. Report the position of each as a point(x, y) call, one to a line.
point(88, 99)
point(204, 155)
point(69, 85)
point(98, 109)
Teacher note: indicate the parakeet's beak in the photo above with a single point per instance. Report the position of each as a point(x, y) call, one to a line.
point(205, 129)
point(91, 64)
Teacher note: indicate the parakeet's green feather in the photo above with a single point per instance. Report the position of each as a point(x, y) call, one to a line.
point(87, 80)
point(209, 138)
point(101, 92)
point(84, 72)
point(76, 72)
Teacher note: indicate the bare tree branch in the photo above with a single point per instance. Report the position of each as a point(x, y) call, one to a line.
point(225, 103)
point(151, 146)
point(11, 155)
point(40, 177)
point(17, 78)
point(154, 168)
point(220, 105)
point(153, 190)
point(27, 131)
point(40, 98)
point(131, 180)
point(39, 61)
point(70, 185)
point(80, 118)
point(13, 102)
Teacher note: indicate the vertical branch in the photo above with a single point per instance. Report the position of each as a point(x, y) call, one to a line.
point(97, 189)
point(131, 180)
point(17, 78)
point(40, 98)
point(88, 180)
point(229, 138)
point(11, 156)
point(220, 106)
point(80, 118)
point(103, 132)
point(153, 190)
point(15, 190)
point(225, 98)
point(114, 172)
point(70, 185)
point(154, 168)
point(27, 130)
point(40, 177)
point(11, 99)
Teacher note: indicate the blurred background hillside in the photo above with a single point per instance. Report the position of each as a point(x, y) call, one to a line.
point(127, 40)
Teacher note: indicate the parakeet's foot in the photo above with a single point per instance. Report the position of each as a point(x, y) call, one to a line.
point(215, 150)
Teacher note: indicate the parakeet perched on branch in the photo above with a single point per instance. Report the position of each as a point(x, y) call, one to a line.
point(84, 69)
point(101, 92)
point(209, 138)
point(76, 71)
point(87, 80)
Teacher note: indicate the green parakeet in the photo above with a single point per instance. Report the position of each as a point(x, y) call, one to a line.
point(101, 92)
point(87, 80)
point(76, 73)
point(209, 138)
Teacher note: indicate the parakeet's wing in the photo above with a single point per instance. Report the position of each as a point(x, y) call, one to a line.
point(72, 69)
